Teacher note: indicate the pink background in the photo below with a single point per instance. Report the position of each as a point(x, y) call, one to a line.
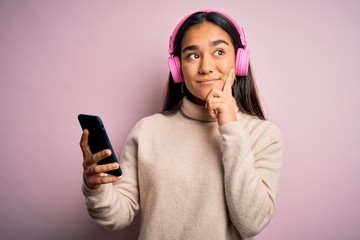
point(61, 58)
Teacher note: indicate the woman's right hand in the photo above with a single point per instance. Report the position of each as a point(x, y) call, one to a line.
point(95, 175)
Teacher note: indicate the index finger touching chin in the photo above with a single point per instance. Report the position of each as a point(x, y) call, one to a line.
point(229, 80)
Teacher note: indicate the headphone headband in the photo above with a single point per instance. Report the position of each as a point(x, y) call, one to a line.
point(176, 30)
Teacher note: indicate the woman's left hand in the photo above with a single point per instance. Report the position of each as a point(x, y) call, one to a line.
point(220, 103)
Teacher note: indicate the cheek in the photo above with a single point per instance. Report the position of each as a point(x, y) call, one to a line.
point(188, 70)
point(226, 64)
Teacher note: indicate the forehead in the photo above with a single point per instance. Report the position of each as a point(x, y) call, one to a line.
point(204, 33)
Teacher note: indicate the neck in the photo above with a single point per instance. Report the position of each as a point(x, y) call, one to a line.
point(195, 100)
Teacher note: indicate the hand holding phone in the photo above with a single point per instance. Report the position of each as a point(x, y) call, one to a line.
point(95, 145)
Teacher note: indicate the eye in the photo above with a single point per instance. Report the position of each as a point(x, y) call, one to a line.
point(192, 56)
point(219, 52)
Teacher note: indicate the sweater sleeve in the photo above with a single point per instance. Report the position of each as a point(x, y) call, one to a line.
point(114, 205)
point(252, 161)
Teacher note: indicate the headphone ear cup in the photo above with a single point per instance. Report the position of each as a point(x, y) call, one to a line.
point(242, 62)
point(175, 69)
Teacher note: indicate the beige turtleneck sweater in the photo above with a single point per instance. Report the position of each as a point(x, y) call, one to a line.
point(192, 179)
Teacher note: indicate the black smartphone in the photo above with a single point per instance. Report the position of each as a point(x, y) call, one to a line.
point(98, 139)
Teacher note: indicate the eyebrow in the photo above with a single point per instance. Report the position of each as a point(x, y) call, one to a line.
point(213, 43)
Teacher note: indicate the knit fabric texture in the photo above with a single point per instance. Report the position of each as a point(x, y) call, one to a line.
point(193, 179)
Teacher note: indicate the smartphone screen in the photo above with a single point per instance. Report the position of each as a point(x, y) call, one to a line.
point(98, 139)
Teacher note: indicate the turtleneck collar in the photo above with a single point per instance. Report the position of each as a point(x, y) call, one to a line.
point(197, 112)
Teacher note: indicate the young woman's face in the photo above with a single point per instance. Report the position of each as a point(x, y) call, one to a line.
point(207, 55)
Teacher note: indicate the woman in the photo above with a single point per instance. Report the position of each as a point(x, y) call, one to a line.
point(208, 166)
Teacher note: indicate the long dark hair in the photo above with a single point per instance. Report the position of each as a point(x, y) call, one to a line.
point(244, 92)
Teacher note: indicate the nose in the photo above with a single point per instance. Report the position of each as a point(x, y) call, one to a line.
point(206, 65)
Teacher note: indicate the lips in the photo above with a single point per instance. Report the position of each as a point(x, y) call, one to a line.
point(208, 80)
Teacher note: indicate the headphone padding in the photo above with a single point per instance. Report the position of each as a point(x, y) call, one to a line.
point(175, 69)
point(242, 62)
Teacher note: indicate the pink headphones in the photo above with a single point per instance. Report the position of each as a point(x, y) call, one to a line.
point(242, 54)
